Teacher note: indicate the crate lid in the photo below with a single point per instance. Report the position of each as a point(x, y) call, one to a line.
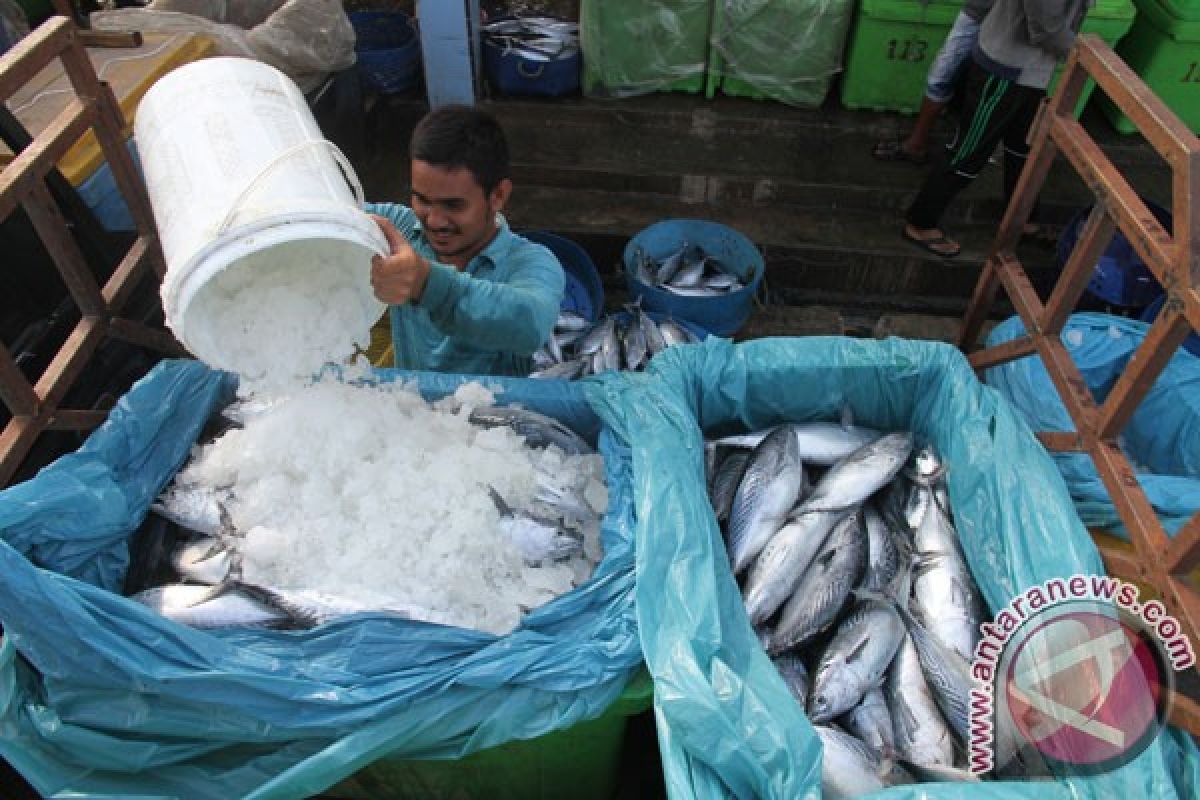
point(1112, 9)
point(1181, 9)
point(1178, 18)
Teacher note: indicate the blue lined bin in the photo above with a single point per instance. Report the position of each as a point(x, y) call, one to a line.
point(388, 50)
point(583, 293)
point(721, 315)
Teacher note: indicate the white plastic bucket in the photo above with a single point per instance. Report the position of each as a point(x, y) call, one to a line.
point(268, 250)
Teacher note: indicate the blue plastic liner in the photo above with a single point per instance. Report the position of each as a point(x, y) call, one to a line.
point(100, 697)
point(727, 725)
point(1162, 439)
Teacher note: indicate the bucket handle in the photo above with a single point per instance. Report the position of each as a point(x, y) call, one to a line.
point(528, 73)
point(338, 156)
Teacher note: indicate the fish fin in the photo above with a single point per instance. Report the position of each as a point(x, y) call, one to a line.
point(857, 649)
point(502, 507)
point(298, 618)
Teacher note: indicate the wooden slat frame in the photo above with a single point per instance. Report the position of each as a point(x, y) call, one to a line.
point(1156, 559)
point(35, 408)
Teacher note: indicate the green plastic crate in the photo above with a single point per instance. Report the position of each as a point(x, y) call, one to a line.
point(786, 50)
point(1163, 47)
point(635, 47)
point(580, 762)
point(890, 53)
point(1111, 21)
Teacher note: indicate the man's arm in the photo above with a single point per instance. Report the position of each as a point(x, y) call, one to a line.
point(1050, 25)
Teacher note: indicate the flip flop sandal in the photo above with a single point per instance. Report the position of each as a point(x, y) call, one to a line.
point(930, 245)
point(893, 150)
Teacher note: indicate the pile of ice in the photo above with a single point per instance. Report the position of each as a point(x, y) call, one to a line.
point(375, 496)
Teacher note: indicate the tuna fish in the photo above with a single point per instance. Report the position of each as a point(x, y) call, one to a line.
point(857, 658)
point(858, 476)
point(769, 488)
point(922, 735)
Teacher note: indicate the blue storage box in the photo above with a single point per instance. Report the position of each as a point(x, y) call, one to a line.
point(583, 292)
point(509, 72)
point(1121, 278)
point(721, 315)
point(388, 50)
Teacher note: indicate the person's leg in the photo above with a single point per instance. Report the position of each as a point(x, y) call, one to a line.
point(1016, 148)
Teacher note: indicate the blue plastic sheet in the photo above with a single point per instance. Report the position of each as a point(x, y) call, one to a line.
point(1162, 439)
point(727, 725)
point(100, 697)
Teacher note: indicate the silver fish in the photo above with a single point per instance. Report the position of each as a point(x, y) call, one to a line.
point(693, 291)
point(767, 492)
point(871, 722)
point(539, 430)
point(947, 675)
point(538, 539)
point(670, 265)
point(945, 598)
point(571, 321)
point(554, 348)
point(922, 735)
point(203, 560)
point(690, 275)
point(794, 674)
point(655, 343)
point(858, 476)
point(594, 339)
point(883, 557)
point(725, 483)
point(929, 773)
point(673, 333)
point(610, 348)
point(784, 559)
point(857, 658)
point(567, 371)
point(822, 591)
point(565, 501)
point(542, 358)
point(721, 280)
point(821, 443)
point(222, 606)
point(848, 767)
point(567, 338)
point(643, 266)
point(634, 345)
point(197, 508)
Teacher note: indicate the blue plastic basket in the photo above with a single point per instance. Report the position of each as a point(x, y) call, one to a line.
point(721, 315)
point(388, 50)
point(584, 293)
point(1191, 343)
point(511, 73)
point(1121, 277)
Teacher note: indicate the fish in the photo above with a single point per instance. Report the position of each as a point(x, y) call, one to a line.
point(593, 340)
point(848, 767)
point(537, 538)
point(823, 589)
point(203, 560)
point(871, 722)
point(538, 430)
point(921, 734)
point(858, 476)
point(725, 483)
point(691, 274)
point(883, 556)
point(768, 490)
point(937, 773)
point(610, 349)
point(221, 606)
point(571, 321)
point(634, 346)
point(783, 560)
point(196, 508)
point(567, 338)
point(947, 675)
point(821, 444)
point(655, 343)
point(673, 333)
point(856, 659)
point(566, 370)
point(693, 291)
point(644, 267)
point(542, 359)
point(794, 674)
point(670, 265)
point(945, 598)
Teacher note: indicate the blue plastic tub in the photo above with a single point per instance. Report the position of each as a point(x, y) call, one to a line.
point(388, 50)
point(1121, 277)
point(721, 315)
point(1191, 343)
point(511, 73)
point(583, 294)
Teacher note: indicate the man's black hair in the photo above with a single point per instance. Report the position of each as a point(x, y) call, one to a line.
point(461, 136)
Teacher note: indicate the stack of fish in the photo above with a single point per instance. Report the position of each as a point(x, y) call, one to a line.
point(858, 579)
point(187, 556)
point(622, 342)
point(535, 38)
point(688, 272)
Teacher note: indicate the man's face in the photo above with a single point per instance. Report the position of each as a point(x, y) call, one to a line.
point(458, 218)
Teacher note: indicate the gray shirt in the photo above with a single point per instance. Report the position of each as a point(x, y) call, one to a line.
point(1025, 39)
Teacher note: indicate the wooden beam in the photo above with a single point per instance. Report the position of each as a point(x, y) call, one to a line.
point(75, 420)
point(27, 57)
point(1061, 441)
point(1002, 353)
point(16, 393)
point(139, 334)
point(1183, 554)
point(33, 163)
point(1093, 240)
point(1144, 367)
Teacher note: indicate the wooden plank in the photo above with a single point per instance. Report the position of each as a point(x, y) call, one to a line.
point(1095, 237)
point(28, 56)
point(139, 334)
point(1024, 297)
point(59, 241)
point(35, 161)
point(1144, 367)
point(1121, 562)
point(1072, 388)
point(15, 440)
point(1002, 353)
point(126, 276)
point(1061, 441)
point(70, 360)
point(108, 130)
point(1183, 554)
point(75, 420)
point(1141, 228)
point(16, 393)
point(1185, 214)
point(1185, 713)
point(1145, 531)
point(980, 305)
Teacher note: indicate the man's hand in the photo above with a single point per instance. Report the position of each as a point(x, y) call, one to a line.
point(401, 276)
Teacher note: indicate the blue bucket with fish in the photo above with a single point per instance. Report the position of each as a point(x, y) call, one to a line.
point(720, 314)
point(387, 49)
point(532, 56)
point(583, 292)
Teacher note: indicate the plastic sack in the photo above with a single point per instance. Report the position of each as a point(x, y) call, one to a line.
point(306, 39)
point(785, 50)
point(727, 725)
point(102, 697)
point(1162, 439)
point(633, 47)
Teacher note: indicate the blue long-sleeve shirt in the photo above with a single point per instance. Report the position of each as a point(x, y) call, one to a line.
point(487, 319)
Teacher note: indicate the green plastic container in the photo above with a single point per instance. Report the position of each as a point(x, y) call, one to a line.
point(633, 47)
point(786, 50)
point(1163, 47)
point(580, 762)
point(1111, 21)
point(890, 53)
